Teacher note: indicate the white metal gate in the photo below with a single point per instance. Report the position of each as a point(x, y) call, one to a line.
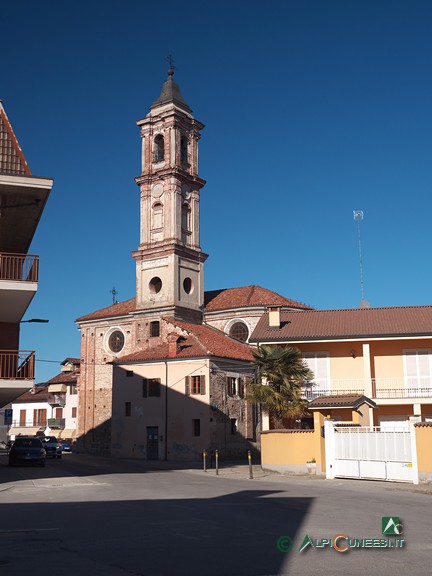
point(370, 453)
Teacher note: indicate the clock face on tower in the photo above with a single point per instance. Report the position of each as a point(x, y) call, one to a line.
point(116, 341)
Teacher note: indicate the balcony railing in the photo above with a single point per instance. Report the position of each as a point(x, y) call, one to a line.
point(402, 388)
point(17, 365)
point(381, 388)
point(19, 267)
point(56, 422)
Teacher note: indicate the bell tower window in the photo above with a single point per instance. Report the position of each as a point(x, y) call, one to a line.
point(159, 148)
point(157, 214)
point(183, 150)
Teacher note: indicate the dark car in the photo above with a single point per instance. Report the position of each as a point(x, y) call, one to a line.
point(52, 446)
point(27, 450)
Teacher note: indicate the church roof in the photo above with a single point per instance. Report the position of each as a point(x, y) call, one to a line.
point(118, 309)
point(171, 94)
point(12, 160)
point(214, 300)
point(198, 340)
point(247, 296)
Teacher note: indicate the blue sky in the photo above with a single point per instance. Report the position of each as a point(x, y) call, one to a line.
point(312, 109)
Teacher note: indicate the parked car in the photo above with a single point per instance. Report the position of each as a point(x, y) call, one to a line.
point(27, 450)
point(52, 446)
point(67, 445)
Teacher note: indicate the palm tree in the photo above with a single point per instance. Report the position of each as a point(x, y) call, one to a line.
point(280, 375)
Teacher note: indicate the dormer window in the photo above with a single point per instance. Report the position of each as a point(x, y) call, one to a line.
point(159, 148)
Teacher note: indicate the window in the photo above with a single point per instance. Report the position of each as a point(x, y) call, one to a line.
point(183, 150)
point(239, 331)
point(151, 387)
point(58, 413)
point(157, 216)
point(417, 369)
point(231, 386)
point(159, 148)
point(116, 341)
point(319, 363)
point(128, 408)
point(22, 419)
point(74, 412)
point(154, 387)
point(186, 217)
point(155, 285)
point(233, 422)
point(40, 417)
point(129, 373)
point(73, 389)
point(154, 329)
point(196, 427)
point(195, 385)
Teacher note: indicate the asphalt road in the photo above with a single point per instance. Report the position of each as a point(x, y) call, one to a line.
point(86, 516)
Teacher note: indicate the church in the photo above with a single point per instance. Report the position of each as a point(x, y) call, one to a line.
point(163, 374)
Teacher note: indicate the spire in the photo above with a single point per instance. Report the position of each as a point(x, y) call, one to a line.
point(12, 160)
point(171, 94)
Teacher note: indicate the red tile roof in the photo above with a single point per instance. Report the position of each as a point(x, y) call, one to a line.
point(65, 378)
point(12, 160)
point(228, 298)
point(246, 296)
point(118, 309)
point(38, 394)
point(199, 340)
point(348, 323)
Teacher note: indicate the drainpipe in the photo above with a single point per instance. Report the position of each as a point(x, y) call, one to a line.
point(166, 411)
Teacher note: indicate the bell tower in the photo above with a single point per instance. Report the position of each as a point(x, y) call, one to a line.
point(169, 260)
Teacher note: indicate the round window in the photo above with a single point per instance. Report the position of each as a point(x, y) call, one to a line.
point(239, 331)
point(116, 341)
point(187, 285)
point(155, 285)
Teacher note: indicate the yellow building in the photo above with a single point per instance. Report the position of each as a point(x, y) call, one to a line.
point(384, 354)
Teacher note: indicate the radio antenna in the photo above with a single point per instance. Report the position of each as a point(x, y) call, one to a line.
point(358, 217)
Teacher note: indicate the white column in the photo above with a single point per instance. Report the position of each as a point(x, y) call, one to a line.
point(367, 370)
point(329, 449)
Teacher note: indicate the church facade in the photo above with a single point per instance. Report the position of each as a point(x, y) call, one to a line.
point(163, 375)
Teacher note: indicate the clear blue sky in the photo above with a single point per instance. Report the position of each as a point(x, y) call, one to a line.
point(312, 109)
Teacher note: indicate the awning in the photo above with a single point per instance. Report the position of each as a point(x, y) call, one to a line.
point(67, 433)
point(29, 431)
point(57, 388)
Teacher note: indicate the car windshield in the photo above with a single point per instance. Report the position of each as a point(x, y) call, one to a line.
point(27, 443)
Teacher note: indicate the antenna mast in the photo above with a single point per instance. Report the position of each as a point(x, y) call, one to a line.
point(358, 217)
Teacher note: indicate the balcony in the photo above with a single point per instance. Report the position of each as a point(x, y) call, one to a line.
point(18, 285)
point(57, 399)
point(402, 387)
point(56, 423)
point(19, 267)
point(17, 365)
point(376, 389)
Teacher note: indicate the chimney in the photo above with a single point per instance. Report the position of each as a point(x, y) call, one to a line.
point(172, 340)
point(274, 317)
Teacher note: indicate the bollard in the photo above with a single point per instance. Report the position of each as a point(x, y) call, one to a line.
point(204, 461)
point(250, 465)
point(217, 462)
